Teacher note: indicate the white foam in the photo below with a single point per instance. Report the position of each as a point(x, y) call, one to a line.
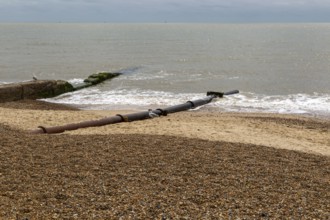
point(76, 81)
point(243, 102)
point(135, 97)
point(293, 104)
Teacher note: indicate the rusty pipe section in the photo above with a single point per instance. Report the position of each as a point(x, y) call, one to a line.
point(75, 126)
point(133, 116)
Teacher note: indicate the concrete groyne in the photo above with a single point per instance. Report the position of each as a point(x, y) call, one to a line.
point(37, 89)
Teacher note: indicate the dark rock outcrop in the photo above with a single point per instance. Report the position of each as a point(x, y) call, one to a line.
point(34, 90)
point(37, 89)
point(100, 77)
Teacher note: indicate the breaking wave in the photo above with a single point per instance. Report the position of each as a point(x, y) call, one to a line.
point(93, 98)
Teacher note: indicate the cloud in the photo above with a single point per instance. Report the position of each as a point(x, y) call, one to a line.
point(160, 10)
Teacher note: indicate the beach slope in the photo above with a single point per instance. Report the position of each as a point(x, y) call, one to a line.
point(190, 165)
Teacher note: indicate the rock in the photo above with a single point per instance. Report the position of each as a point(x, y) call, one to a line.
point(81, 85)
point(100, 77)
point(34, 90)
point(92, 80)
point(45, 88)
point(10, 92)
point(62, 87)
point(37, 89)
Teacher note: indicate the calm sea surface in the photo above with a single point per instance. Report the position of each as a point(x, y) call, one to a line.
point(281, 68)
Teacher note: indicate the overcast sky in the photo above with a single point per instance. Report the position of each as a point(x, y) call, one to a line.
point(165, 11)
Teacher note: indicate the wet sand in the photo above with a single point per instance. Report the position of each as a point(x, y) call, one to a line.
point(186, 165)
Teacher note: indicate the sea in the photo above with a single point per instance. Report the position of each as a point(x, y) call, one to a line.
point(278, 68)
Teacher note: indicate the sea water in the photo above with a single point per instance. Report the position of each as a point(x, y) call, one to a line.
point(282, 68)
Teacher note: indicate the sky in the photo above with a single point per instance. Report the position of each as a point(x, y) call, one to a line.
point(219, 11)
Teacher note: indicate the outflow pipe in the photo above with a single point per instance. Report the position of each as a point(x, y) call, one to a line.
point(133, 116)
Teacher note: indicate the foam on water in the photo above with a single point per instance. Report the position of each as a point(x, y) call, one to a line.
point(316, 104)
point(75, 81)
point(94, 98)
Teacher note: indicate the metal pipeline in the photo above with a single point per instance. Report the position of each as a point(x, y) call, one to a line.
point(133, 116)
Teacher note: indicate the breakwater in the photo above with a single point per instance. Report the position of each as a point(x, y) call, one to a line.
point(37, 89)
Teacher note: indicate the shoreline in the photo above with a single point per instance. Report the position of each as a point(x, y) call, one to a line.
point(283, 131)
point(324, 115)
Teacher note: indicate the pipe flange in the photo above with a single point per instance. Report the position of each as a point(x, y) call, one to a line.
point(192, 104)
point(43, 129)
point(123, 118)
point(162, 112)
